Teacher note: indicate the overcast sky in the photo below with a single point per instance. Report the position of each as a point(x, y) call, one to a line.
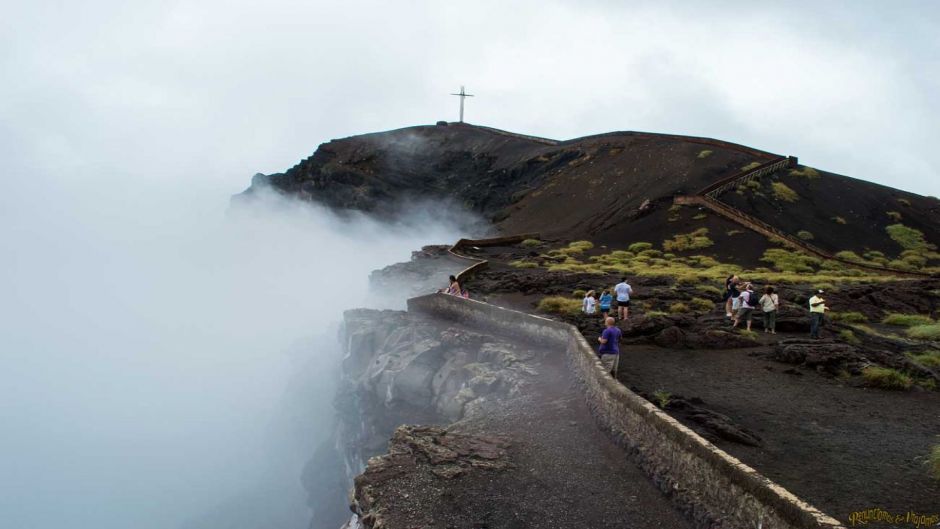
point(211, 92)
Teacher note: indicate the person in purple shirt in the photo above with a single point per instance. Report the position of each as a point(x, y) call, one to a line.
point(609, 350)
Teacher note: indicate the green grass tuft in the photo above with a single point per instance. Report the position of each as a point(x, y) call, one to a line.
point(530, 243)
point(886, 378)
point(583, 245)
point(701, 304)
point(752, 165)
point(895, 216)
point(906, 320)
point(848, 317)
point(929, 359)
point(805, 235)
point(846, 335)
point(523, 264)
point(806, 172)
point(663, 398)
point(925, 332)
point(839, 220)
point(934, 461)
point(696, 240)
point(908, 238)
point(709, 289)
point(704, 154)
point(560, 305)
point(678, 308)
point(783, 192)
point(638, 247)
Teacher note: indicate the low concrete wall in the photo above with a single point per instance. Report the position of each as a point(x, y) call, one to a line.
point(716, 489)
point(480, 264)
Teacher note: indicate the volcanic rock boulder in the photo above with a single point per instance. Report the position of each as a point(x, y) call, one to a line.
point(827, 357)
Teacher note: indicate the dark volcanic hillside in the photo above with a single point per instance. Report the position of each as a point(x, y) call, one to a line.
point(612, 188)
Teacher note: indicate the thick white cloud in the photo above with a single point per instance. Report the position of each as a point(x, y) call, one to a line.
point(217, 90)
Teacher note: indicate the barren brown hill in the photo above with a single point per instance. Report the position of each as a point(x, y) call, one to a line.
point(612, 189)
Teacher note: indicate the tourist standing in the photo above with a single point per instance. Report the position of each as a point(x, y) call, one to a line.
point(604, 302)
point(770, 303)
point(748, 302)
point(609, 350)
point(731, 295)
point(623, 291)
point(817, 310)
point(588, 303)
point(454, 288)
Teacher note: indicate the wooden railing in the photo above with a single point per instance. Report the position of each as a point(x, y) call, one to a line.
point(726, 184)
point(767, 230)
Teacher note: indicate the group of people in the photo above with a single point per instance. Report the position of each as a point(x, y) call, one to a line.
point(591, 303)
point(741, 301)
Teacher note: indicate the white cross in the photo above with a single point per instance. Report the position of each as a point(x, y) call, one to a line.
point(463, 95)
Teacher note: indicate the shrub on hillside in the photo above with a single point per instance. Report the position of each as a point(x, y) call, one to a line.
point(752, 165)
point(560, 305)
point(806, 172)
point(839, 220)
point(579, 293)
point(678, 308)
point(523, 264)
point(905, 202)
point(704, 153)
point(908, 238)
point(886, 378)
point(530, 243)
point(700, 216)
point(583, 245)
point(805, 235)
point(790, 261)
point(848, 317)
point(929, 359)
point(696, 240)
point(846, 335)
point(925, 332)
point(701, 304)
point(849, 255)
point(709, 289)
point(906, 320)
point(935, 461)
point(783, 192)
point(663, 398)
point(623, 255)
point(639, 247)
point(895, 216)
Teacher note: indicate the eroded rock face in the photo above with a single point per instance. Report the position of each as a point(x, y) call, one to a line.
point(400, 369)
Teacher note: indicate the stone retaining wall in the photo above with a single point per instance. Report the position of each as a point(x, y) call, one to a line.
point(714, 488)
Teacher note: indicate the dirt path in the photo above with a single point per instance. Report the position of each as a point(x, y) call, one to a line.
point(841, 448)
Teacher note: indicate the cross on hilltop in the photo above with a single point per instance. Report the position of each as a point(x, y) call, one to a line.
point(463, 95)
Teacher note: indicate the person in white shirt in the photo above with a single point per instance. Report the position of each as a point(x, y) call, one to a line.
point(587, 305)
point(624, 291)
point(769, 303)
